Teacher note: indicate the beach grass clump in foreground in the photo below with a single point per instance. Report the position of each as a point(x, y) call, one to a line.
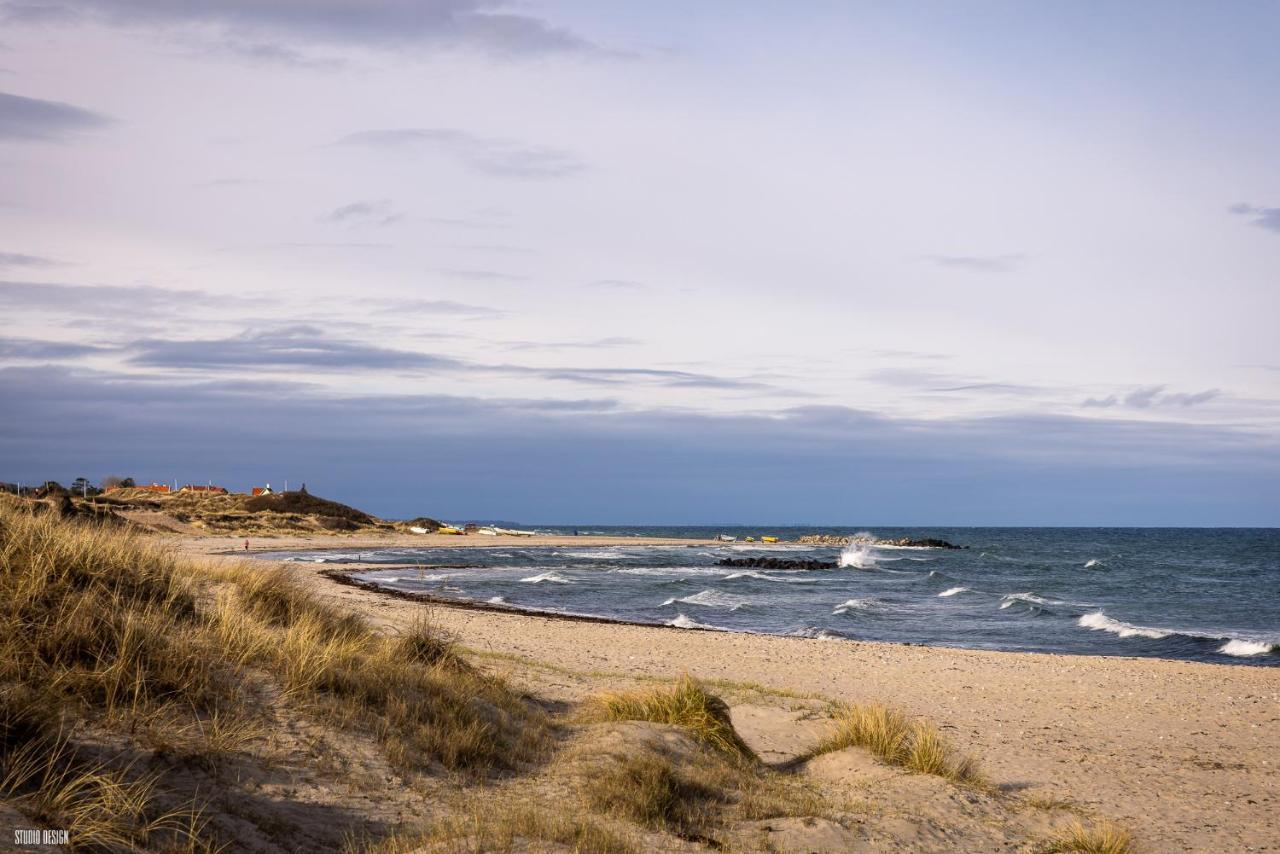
point(648, 790)
point(1103, 837)
point(495, 826)
point(896, 740)
point(685, 704)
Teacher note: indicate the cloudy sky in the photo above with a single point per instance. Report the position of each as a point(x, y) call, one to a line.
point(935, 263)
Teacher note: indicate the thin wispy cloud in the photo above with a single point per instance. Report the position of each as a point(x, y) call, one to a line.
point(597, 344)
point(438, 306)
point(1268, 218)
point(376, 213)
point(32, 349)
point(477, 24)
point(23, 118)
point(110, 300)
point(1147, 397)
point(492, 156)
point(979, 263)
point(35, 262)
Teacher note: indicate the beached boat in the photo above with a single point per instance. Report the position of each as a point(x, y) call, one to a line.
point(415, 529)
point(725, 538)
point(768, 539)
point(449, 529)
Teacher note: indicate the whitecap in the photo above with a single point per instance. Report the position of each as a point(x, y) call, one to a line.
point(763, 577)
point(1099, 621)
point(496, 600)
point(953, 591)
point(1025, 598)
point(856, 605)
point(1245, 648)
point(712, 599)
point(596, 554)
point(547, 576)
point(1092, 563)
point(683, 622)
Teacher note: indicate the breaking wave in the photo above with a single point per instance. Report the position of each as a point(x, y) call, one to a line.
point(1011, 599)
point(953, 591)
point(547, 576)
point(857, 555)
point(1247, 648)
point(1092, 562)
point(1099, 621)
point(683, 622)
point(763, 577)
point(1233, 646)
point(857, 605)
point(496, 600)
point(711, 599)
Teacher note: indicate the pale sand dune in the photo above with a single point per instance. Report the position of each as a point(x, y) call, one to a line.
point(1185, 754)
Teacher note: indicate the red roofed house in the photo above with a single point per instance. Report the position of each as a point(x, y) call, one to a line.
point(208, 490)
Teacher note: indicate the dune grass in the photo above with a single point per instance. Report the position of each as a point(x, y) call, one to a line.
point(648, 789)
point(498, 826)
point(1102, 837)
point(170, 659)
point(685, 704)
point(897, 740)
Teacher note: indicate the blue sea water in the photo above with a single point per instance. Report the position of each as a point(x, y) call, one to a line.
point(1192, 594)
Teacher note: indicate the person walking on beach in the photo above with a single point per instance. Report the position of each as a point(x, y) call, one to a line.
point(246, 545)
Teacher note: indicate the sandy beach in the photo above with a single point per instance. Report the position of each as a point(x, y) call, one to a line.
point(1185, 754)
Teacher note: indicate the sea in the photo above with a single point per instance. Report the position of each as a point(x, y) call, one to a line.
point(1198, 594)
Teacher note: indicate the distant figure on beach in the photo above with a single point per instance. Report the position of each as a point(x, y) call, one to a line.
point(246, 545)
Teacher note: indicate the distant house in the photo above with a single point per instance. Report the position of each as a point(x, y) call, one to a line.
point(206, 489)
point(262, 490)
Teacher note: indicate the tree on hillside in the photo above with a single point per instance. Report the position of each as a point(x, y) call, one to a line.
point(117, 482)
point(81, 486)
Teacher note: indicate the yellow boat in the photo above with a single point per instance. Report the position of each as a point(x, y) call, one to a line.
point(749, 540)
point(448, 529)
point(768, 539)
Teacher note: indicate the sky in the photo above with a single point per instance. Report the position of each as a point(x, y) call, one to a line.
point(977, 263)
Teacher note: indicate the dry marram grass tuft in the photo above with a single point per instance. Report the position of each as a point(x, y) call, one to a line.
point(1103, 837)
point(897, 740)
point(686, 704)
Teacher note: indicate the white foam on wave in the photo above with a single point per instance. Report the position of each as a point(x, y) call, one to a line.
point(1099, 621)
point(1092, 562)
point(547, 576)
point(596, 554)
point(763, 577)
point(1246, 648)
point(671, 571)
point(1025, 598)
point(496, 600)
point(856, 605)
point(683, 622)
point(857, 555)
point(952, 592)
point(712, 599)
point(814, 633)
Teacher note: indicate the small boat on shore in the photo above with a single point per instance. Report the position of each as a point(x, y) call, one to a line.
point(726, 538)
